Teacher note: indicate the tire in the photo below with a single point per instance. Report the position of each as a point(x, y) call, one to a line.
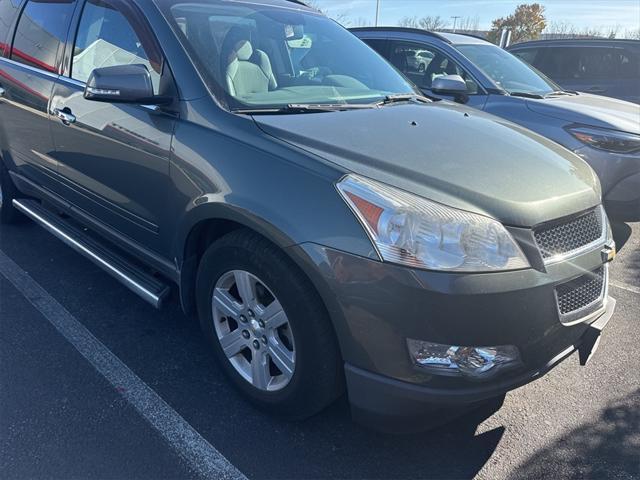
point(8, 191)
point(308, 339)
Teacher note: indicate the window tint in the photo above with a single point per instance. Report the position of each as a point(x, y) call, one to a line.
point(378, 45)
point(8, 11)
point(422, 64)
point(588, 63)
point(107, 38)
point(629, 66)
point(529, 55)
point(41, 31)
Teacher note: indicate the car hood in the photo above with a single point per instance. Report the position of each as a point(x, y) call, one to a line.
point(453, 155)
point(592, 110)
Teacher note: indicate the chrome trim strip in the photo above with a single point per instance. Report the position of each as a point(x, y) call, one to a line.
point(127, 281)
point(598, 243)
point(29, 67)
point(72, 81)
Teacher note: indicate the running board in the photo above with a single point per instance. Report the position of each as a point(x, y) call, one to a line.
point(131, 276)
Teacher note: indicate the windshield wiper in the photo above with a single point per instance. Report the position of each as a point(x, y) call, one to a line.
point(526, 95)
point(560, 92)
point(326, 107)
point(404, 97)
point(304, 108)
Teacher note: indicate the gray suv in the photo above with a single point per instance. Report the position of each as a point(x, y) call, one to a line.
point(603, 131)
point(602, 67)
point(331, 228)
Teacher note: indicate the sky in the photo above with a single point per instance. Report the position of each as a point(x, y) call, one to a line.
point(580, 13)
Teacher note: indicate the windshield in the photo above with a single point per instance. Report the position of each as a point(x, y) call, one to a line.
point(508, 71)
point(267, 56)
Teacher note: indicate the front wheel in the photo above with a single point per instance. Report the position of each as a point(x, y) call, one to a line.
point(268, 327)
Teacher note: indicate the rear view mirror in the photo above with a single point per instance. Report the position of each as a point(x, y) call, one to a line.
point(122, 84)
point(451, 85)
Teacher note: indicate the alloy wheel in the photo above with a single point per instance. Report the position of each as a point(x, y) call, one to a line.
point(253, 330)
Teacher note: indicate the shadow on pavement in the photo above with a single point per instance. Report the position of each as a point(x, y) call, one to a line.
point(452, 450)
point(621, 234)
point(606, 448)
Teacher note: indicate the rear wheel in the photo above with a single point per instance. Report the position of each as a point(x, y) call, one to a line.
point(8, 191)
point(267, 326)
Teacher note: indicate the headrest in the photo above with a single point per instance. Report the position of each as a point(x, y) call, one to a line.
point(243, 50)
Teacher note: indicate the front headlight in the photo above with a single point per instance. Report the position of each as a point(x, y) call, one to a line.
point(607, 140)
point(413, 231)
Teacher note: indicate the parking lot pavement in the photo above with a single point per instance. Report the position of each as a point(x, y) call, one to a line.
point(60, 417)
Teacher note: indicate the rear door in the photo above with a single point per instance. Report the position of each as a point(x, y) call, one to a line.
point(114, 158)
point(28, 72)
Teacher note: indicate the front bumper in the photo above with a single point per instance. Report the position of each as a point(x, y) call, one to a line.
point(376, 306)
point(396, 406)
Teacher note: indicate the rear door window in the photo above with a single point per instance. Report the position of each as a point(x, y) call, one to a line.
point(41, 33)
point(629, 64)
point(8, 12)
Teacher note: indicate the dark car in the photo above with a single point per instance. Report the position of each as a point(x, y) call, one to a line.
point(601, 67)
point(603, 131)
point(330, 227)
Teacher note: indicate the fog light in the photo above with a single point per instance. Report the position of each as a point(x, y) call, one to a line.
point(474, 362)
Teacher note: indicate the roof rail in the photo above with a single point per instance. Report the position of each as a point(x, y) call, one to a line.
point(576, 39)
point(403, 29)
point(472, 35)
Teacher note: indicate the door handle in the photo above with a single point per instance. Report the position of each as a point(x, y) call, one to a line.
point(65, 116)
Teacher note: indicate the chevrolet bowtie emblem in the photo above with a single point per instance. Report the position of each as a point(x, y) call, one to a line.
point(609, 253)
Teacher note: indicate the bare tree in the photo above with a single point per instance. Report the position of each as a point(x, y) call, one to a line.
point(633, 34)
point(432, 23)
point(360, 22)
point(469, 24)
point(341, 17)
point(425, 23)
point(409, 22)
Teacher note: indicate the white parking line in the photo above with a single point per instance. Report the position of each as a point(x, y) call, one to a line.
point(199, 454)
point(624, 286)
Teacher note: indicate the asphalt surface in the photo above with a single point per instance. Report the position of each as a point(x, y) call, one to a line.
point(61, 416)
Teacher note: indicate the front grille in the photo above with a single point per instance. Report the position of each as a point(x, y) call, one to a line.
point(562, 239)
point(581, 296)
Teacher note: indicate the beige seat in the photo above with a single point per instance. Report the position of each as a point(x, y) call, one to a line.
point(249, 71)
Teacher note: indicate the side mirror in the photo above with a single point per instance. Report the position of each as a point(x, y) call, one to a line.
point(122, 84)
point(451, 85)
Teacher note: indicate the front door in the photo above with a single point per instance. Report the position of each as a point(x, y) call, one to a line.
point(114, 158)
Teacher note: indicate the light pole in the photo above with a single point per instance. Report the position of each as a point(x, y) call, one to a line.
point(455, 22)
point(377, 11)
